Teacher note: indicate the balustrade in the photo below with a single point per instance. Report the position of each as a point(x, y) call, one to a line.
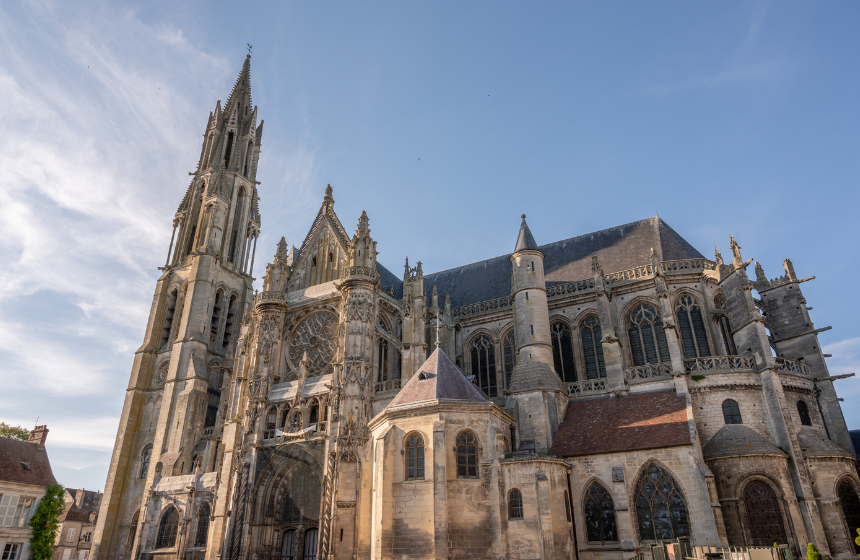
point(389, 386)
point(648, 372)
point(792, 366)
point(270, 297)
point(687, 265)
point(720, 363)
point(635, 273)
point(586, 387)
point(359, 271)
point(482, 307)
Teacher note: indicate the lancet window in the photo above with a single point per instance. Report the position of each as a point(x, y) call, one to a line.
point(515, 504)
point(592, 349)
point(509, 351)
point(310, 550)
point(467, 456)
point(415, 457)
point(600, 515)
point(732, 412)
point(803, 412)
point(248, 159)
point(229, 149)
point(692, 326)
point(166, 537)
point(850, 502)
point(647, 338)
point(228, 323)
point(132, 530)
point(661, 511)
point(233, 255)
point(215, 322)
point(726, 331)
point(562, 351)
point(168, 316)
point(484, 364)
point(145, 458)
point(382, 361)
point(288, 547)
point(202, 525)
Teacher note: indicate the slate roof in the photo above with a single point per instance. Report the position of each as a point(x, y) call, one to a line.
point(813, 443)
point(618, 248)
point(528, 376)
point(14, 453)
point(438, 379)
point(737, 439)
point(525, 240)
point(388, 280)
point(90, 504)
point(610, 425)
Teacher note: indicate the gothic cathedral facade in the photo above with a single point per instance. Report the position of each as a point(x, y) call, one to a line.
point(579, 399)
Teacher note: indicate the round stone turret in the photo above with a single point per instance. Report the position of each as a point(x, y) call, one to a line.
point(531, 312)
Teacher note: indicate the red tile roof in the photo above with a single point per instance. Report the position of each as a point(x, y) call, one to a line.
point(610, 424)
point(437, 379)
point(25, 462)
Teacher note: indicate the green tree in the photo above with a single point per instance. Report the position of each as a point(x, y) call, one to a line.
point(811, 553)
point(45, 524)
point(15, 432)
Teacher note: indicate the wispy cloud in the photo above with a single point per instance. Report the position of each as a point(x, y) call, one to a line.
point(846, 359)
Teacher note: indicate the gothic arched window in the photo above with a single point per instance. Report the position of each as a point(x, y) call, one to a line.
point(288, 547)
point(803, 412)
point(693, 335)
point(592, 349)
point(383, 360)
point(484, 364)
point(229, 149)
point(168, 316)
point(215, 322)
point(248, 159)
point(271, 419)
point(310, 544)
point(509, 351)
point(415, 457)
point(600, 515)
point(719, 301)
point(132, 530)
point(233, 256)
point(562, 351)
point(647, 338)
point(515, 504)
point(228, 323)
point(732, 412)
point(726, 331)
point(316, 335)
point(202, 525)
point(850, 502)
point(314, 413)
point(145, 457)
point(661, 511)
point(763, 515)
point(467, 456)
point(166, 537)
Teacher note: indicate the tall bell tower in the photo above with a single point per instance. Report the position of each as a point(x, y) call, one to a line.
point(173, 405)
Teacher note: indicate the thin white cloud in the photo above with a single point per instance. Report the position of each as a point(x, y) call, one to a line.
point(846, 359)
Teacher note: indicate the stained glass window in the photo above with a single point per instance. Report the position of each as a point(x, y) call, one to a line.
point(562, 351)
point(592, 349)
point(414, 457)
point(693, 335)
point(166, 537)
point(202, 525)
point(850, 502)
point(467, 456)
point(484, 364)
point(515, 504)
point(732, 412)
point(660, 508)
point(316, 335)
point(647, 339)
point(803, 412)
point(726, 331)
point(600, 515)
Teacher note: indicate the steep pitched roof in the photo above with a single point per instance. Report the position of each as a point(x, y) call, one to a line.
point(525, 240)
point(618, 248)
point(813, 443)
point(855, 439)
point(438, 379)
point(611, 425)
point(25, 462)
point(737, 439)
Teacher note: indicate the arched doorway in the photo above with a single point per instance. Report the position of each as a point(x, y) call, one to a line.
point(764, 517)
point(850, 503)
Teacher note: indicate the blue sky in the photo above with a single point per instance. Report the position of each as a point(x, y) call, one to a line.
point(444, 121)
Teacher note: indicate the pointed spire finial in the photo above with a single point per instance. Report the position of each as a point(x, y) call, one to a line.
point(525, 240)
point(328, 199)
point(718, 258)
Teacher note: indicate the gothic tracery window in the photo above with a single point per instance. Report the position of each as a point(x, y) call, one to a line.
point(145, 457)
point(228, 323)
point(316, 335)
point(647, 339)
point(415, 457)
point(310, 550)
point(202, 525)
point(467, 456)
point(763, 515)
point(288, 547)
point(850, 502)
point(515, 504)
point(510, 351)
point(166, 537)
point(661, 511)
point(215, 322)
point(168, 316)
point(731, 412)
point(132, 530)
point(484, 364)
point(562, 351)
point(592, 349)
point(693, 335)
point(726, 332)
point(600, 515)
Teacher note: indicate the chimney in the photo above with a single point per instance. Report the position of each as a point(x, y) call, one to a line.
point(79, 499)
point(39, 435)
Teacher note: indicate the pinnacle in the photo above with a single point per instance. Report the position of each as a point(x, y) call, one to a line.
point(525, 240)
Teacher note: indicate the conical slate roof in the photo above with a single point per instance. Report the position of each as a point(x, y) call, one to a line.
point(525, 240)
point(813, 443)
point(531, 376)
point(438, 379)
point(737, 439)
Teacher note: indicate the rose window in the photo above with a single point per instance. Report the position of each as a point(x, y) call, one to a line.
point(316, 335)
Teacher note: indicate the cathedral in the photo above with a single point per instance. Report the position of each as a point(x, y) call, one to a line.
point(579, 399)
